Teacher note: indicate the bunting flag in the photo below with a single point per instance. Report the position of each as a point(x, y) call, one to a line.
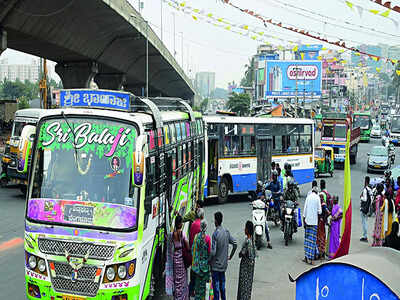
point(378, 69)
point(340, 43)
point(398, 72)
point(376, 12)
point(347, 209)
point(387, 5)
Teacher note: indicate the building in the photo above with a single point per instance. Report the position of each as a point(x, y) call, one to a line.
point(205, 83)
point(21, 72)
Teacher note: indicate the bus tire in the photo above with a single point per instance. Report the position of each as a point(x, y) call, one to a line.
point(253, 195)
point(223, 191)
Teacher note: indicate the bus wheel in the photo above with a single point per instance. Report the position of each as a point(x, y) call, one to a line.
point(223, 191)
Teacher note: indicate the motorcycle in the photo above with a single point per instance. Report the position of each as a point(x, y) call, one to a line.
point(392, 153)
point(289, 220)
point(258, 221)
point(272, 212)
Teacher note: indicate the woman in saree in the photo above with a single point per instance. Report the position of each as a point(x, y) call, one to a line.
point(247, 262)
point(336, 219)
point(176, 283)
point(321, 233)
point(378, 235)
point(201, 255)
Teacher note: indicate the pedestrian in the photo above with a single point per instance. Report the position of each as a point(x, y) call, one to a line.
point(321, 232)
point(247, 261)
point(388, 210)
point(275, 188)
point(195, 228)
point(393, 240)
point(221, 239)
point(397, 203)
point(365, 204)
point(314, 186)
point(201, 251)
point(280, 178)
point(312, 207)
point(327, 196)
point(335, 221)
point(378, 229)
point(176, 284)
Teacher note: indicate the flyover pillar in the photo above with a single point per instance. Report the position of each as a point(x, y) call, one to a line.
point(76, 74)
point(3, 40)
point(110, 81)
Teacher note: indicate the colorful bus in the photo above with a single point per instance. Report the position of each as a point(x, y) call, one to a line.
point(106, 182)
point(17, 155)
point(364, 121)
point(234, 151)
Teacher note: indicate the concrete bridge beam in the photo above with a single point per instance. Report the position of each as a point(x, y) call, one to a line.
point(3, 40)
point(110, 81)
point(76, 74)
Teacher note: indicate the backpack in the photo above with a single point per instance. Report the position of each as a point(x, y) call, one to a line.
point(365, 205)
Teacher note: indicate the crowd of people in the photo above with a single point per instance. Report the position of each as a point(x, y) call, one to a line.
point(322, 217)
point(207, 258)
point(383, 202)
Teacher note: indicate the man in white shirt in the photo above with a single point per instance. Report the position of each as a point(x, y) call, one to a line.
point(365, 197)
point(312, 207)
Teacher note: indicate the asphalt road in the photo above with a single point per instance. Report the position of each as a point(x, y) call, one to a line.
point(272, 266)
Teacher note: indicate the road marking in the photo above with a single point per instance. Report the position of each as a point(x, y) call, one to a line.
point(11, 244)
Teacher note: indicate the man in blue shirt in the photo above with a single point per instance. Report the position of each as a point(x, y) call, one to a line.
point(275, 187)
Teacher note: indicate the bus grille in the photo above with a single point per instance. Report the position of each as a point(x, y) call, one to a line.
point(84, 285)
point(76, 249)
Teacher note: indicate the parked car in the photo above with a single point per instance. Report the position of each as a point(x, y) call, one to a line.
point(376, 131)
point(378, 159)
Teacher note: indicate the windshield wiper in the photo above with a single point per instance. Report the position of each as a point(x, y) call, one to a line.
point(73, 133)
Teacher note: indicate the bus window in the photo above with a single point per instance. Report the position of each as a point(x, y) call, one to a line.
point(247, 140)
point(184, 157)
point(173, 133)
point(187, 129)
point(166, 135)
point(179, 162)
point(152, 144)
point(305, 138)
point(178, 132)
point(174, 166)
point(328, 131)
point(150, 177)
point(160, 137)
point(183, 130)
point(190, 158)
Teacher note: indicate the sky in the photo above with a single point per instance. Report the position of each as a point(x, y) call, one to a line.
point(212, 49)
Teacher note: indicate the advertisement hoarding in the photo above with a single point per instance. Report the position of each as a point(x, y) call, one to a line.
point(291, 78)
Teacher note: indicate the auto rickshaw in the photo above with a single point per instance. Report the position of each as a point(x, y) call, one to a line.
point(324, 161)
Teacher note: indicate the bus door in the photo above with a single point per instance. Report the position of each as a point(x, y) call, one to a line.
point(212, 166)
point(264, 156)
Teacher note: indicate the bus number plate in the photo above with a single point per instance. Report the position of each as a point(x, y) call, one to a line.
point(68, 297)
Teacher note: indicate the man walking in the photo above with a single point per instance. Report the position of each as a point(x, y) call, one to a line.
point(312, 207)
point(221, 239)
point(364, 208)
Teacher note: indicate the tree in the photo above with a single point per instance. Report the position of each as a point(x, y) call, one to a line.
point(249, 74)
point(239, 103)
point(204, 105)
point(23, 102)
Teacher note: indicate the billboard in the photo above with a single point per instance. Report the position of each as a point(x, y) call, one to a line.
point(294, 77)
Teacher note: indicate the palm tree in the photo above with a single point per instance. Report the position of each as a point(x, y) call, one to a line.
point(249, 74)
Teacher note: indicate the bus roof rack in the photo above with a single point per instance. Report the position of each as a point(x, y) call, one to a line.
point(172, 103)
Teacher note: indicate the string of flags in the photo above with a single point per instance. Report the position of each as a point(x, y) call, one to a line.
point(388, 5)
point(339, 43)
point(260, 35)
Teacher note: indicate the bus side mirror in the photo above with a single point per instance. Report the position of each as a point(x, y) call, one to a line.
point(138, 165)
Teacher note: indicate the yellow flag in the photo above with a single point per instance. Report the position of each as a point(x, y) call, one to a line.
point(261, 33)
point(302, 56)
point(341, 51)
point(228, 27)
point(245, 27)
point(349, 4)
point(374, 11)
point(356, 53)
point(398, 72)
point(374, 58)
point(319, 57)
point(182, 4)
point(254, 37)
point(295, 48)
point(323, 48)
point(194, 18)
point(209, 15)
point(344, 61)
point(359, 64)
point(219, 19)
point(378, 70)
point(385, 13)
point(394, 61)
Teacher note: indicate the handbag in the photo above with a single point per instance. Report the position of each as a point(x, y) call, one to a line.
point(209, 291)
point(187, 255)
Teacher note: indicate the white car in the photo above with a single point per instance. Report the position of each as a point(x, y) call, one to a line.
point(375, 132)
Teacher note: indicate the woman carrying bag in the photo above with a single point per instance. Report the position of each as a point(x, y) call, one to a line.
point(247, 262)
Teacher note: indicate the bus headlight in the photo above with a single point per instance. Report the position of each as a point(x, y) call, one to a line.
point(32, 262)
point(110, 273)
point(41, 265)
point(121, 271)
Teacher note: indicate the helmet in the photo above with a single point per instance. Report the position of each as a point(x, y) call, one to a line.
point(289, 167)
point(388, 173)
point(285, 166)
point(259, 183)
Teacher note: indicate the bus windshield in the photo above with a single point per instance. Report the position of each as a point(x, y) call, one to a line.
point(82, 174)
point(362, 121)
point(395, 124)
point(340, 131)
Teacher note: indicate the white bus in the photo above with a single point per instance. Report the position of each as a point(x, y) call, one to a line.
point(236, 149)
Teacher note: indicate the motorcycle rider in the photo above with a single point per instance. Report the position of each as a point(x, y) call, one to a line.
point(261, 195)
point(291, 195)
point(275, 187)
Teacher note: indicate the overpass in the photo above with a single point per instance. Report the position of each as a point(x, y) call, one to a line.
point(104, 40)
